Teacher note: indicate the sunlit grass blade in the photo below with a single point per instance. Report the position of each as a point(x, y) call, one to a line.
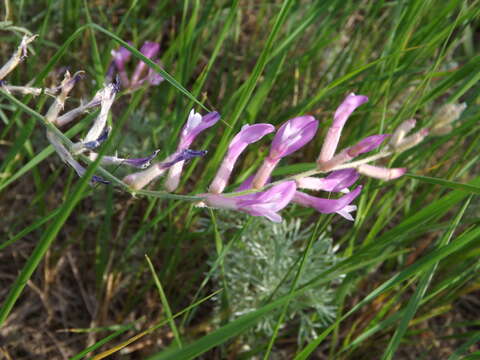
point(163, 298)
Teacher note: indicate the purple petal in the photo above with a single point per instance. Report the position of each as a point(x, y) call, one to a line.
point(366, 145)
point(266, 203)
point(269, 202)
point(150, 49)
point(336, 181)
point(195, 125)
point(340, 179)
point(153, 77)
point(248, 135)
point(121, 57)
point(347, 107)
point(91, 145)
point(142, 163)
point(98, 179)
point(184, 155)
point(292, 135)
point(275, 198)
point(326, 206)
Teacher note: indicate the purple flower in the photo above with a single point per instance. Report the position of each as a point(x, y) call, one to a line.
point(345, 109)
point(291, 136)
point(328, 206)
point(122, 56)
point(381, 173)
point(196, 123)
point(184, 155)
point(91, 145)
point(150, 50)
point(142, 163)
point(247, 135)
point(141, 179)
point(139, 163)
point(336, 181)
point(266, 203)
point(368, 144)
point(153, 77)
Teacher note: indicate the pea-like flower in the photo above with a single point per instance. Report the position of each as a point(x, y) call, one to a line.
point(140, 179)
point(196, 123)
point(366, 145)
point(336, 181)
point(328, 206)
point(141, 73)
point(247, 135)
point(291, 136)
point(346, 108)
point(266, 203)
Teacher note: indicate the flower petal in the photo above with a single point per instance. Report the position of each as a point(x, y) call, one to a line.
point(292, 135)
point(326, 206)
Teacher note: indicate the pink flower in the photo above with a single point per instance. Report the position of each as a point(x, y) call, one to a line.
point(291, 136)
point(150, 50)
point(327, 206)
point(141, 72)
point(266, 203)
point(345, 109)
point(247, 135)
point(368, 144)
point(336, 181)
point(196, 123)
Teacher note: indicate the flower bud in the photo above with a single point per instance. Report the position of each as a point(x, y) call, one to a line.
point(381, 173)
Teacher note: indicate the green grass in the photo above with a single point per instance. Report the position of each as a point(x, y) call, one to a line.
point(408, 264)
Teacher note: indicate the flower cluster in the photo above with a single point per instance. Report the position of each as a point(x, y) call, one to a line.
point(343, 171)
point(141, 74)
point(103, 99)
point(257, 196)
